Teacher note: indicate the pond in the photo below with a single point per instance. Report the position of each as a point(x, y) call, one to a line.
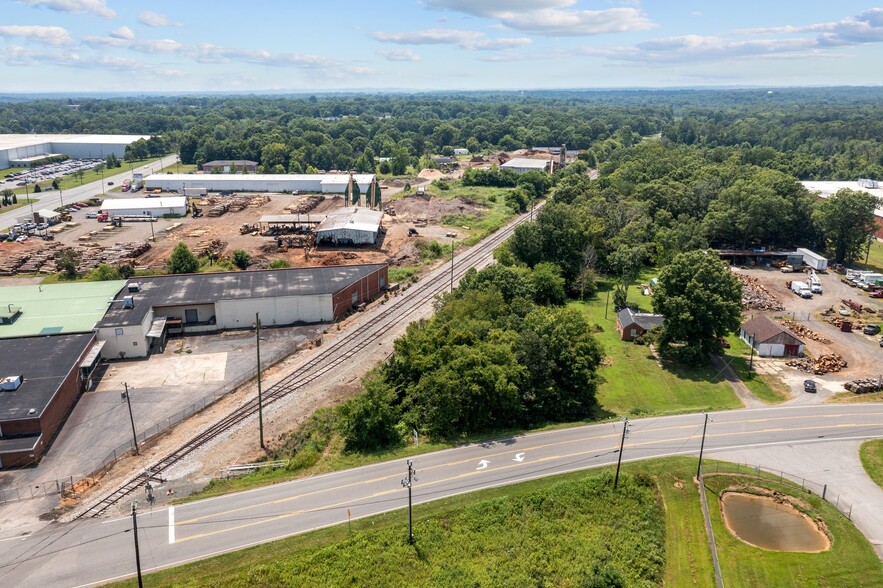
point(765, 523)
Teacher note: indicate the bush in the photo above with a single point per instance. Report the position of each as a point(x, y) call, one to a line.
point(241, 259)
point(182, 260)
point(429, 250)
point(279, 264)
point(368, 421)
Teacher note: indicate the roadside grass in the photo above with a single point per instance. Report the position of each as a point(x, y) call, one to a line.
point(852, 398)
point(11, 170)
point(635, 383)
point(403, 274)
point(21, 202)
point(851, 560)
point(875, 258)
point(871, 454)
point(765, 387)
point(549, 531)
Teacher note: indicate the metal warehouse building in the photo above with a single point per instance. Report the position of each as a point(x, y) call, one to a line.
point(317, 183)
point(41, 381)
point(153, 307)
point(350, 226)
point(156, 207)
point(18, 149)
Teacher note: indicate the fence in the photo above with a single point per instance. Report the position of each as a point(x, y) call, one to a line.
point(60, 485)
point(829, 496)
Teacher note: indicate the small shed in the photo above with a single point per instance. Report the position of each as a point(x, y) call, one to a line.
point(632, 324)
point(49, 216)
point(769, 338)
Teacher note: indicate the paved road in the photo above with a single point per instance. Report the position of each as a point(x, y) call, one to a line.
point(53, 199)
point(95, 551)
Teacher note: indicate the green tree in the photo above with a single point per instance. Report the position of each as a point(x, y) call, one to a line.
point(56, 183)
point(67, 263)
point(241, 259)
point(274, 154)
point(846, 221)
point(37, 188)
point(537, 182)
point(368, 421)
point(548, 284)
point(182, 260)
point(701, 302)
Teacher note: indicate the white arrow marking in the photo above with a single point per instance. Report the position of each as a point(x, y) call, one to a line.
point(519, 457)
point(482, 464)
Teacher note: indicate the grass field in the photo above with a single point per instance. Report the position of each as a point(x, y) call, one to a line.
point(547, 532)
point(765, 387)
point(872, 459)
point(636, 384)
point(21, 202)
point(875, 257)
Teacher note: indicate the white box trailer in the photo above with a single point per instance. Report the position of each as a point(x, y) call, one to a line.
point(801, 289)
point(814, 260)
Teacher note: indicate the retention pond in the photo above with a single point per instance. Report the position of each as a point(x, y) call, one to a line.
point(768, 524)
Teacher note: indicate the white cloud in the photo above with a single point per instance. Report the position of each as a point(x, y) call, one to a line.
point(98, 7)
point(428, 37)
point(123, 32)
point(551, 17)
point(404, 54)
point(155, 19)
point(53, 36)
point(866, 27)
point(139, 45)
point(469, 40)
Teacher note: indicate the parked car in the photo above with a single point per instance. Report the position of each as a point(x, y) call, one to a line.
point(871, 329)
point(809, 386)
point(91, 215)
point(110, 183)
point(21, 238)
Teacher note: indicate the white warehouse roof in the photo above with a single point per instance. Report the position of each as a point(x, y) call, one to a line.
point(112, 204)
point(826, 189)
point(12, 141)
point(526, 163)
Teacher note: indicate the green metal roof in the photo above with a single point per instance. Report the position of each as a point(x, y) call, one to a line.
point(57, 308)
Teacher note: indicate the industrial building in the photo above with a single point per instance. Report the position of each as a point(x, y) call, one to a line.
point(769, 338)
point(53, 309)
point(151, 308)
point(312, 183)
point(350, 226)
point(27, 150)
point(40, 381)
point(826, 189)
point(522, 165)
point(155, 207)
point(226, 166)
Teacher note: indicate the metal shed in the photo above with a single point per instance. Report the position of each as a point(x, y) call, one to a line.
point(350, 226)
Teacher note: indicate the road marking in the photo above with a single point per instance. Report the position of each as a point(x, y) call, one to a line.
point(14, 538)
point(482, 464)
point(171, 525)
point(519, 457)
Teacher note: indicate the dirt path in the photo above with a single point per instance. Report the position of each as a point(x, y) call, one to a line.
point(741, 390)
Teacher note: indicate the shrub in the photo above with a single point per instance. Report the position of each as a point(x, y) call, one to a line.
point(241, 259)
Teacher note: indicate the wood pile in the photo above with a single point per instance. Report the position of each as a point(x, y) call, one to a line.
point(824, 364)
point(832, 317)
point(865, 386)
point(212, 247)
point(304, 204)
point(9, 264)
point(755, 296)
point(239, 203)
point(218, 209)
point(799, 329)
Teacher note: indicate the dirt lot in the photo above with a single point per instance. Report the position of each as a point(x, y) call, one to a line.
point(98, 242)
point(862, 352)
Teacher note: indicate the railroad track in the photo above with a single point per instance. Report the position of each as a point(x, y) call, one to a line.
point(387, 316)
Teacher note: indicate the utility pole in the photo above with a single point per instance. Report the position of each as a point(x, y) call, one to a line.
point(625, 431)
point(412, 476)
point(131, 418)
point(751, 361)
point(702, 446)
point(257, 338)
point(453, 247)
point(137, 552)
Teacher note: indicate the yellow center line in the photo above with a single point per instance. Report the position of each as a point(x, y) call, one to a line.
point(520, 450)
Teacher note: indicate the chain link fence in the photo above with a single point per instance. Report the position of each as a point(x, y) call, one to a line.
point(59, 486)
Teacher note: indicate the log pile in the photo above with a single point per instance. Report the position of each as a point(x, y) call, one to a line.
point(218, 209)
point(802, 331)
point(212, 248)
point(865, 386)
point(755, 296)
point(9, 264)
point(304, 204)
point(824, 364)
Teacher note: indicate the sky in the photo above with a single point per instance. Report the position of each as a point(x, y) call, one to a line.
point(195, 46)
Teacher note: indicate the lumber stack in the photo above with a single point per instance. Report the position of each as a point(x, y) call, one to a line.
point(802, 331)
point(824, 364)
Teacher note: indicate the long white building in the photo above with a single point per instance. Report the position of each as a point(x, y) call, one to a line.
point(155, 207)
point(315, 183)
point(16, 150)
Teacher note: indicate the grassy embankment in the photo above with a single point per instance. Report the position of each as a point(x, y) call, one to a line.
point(875, 258)
point(551, 531)
point(871, 454)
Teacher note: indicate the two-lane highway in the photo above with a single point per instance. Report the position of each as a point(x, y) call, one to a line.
point(95, 551)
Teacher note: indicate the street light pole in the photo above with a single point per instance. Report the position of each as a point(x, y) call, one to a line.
point(257, 337)
point(137, 552)
point(702, 447)
point(407, 482)
point(625, 431)
point(131, 417)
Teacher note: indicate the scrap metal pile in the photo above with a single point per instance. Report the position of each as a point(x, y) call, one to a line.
point(755, 296)
point(865, 386)
point(802, 331)
point(824, 364)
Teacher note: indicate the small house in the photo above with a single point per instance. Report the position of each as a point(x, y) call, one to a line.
point(769, 338)
point(632, 324)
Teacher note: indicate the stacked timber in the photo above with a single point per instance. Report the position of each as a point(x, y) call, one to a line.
point(755, 296)
point(304, 204)
point(9, 264)
point(799, 329)
point(210, 248)
point(824, 364)
point(865, 385)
